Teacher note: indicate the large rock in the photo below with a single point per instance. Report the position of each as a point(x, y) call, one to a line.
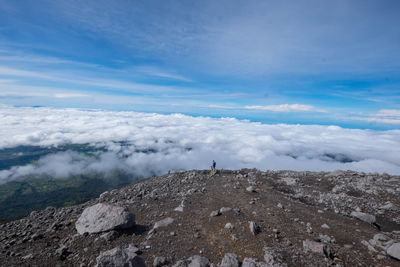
point(272, 257)
point(104, 217)
point(316, 247)
point(194, 261)
point(364, 216)
point(230, 260)
point(120, 256)
point(250, 262)
point(394, 251)
point(163, 223)
point(198, 261)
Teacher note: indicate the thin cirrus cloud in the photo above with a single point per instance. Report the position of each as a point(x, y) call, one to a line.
point(285, 108)
point(146, 144)
point(388, 116)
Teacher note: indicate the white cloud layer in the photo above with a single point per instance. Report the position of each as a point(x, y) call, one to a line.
point(158, 143)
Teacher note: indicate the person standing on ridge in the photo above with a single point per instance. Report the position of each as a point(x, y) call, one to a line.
point(213, 165)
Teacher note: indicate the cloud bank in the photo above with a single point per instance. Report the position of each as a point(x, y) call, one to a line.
point(146, 144)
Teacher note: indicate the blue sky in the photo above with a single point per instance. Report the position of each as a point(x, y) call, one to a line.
point(307, 62)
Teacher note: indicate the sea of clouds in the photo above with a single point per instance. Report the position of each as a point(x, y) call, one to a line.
point(146, 144)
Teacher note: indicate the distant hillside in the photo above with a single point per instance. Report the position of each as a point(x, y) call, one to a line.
point(19, 198)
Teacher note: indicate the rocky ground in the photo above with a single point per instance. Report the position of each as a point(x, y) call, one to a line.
point(234, 218)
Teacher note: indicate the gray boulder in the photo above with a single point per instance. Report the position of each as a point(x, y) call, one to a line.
point(198, 261)
point(104, 217)
point(224, 209)
point(163, 223)
point(272, 257)
point(316, 247)
point(194, 261)
point(160, 261)
point(120, 256)
point(250, 262)
point(364, 216)
point(229, 260)
point(394, 251)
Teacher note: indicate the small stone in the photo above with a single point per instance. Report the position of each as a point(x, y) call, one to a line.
point(250, 189)
point(325, 226)
point(27, 257)
point(109, 235)
point(313, 246)
point(159, 261)
point(229, 226)
point(37, 236)
point(62, 251)
point(325, 238)
point(181, 206)
point(380, 257)
point(215, 213)
point(234, 238)
point(172, 234)
point(280, 206)
point(369, 246)
point(254, 228)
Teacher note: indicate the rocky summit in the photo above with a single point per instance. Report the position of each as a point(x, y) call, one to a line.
point(233, 218)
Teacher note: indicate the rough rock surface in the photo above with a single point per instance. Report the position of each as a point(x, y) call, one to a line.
point(229, 260)
point(163, 223)
point(120, 256)
point(309, 201)
point(394, 251)
point(364, 216)
point(104, 217)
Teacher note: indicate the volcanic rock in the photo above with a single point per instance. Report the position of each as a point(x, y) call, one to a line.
point(120, 256)
point(229, 260)
point(394, 251)
point(104, 217)
point(364, 217)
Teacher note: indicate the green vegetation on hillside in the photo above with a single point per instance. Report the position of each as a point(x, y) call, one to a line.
point(32, 192)
point(19, 198)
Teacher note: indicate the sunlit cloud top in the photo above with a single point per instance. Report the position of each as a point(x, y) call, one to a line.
point(147, 144)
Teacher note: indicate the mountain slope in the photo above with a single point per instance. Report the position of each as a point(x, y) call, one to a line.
point(297, 214)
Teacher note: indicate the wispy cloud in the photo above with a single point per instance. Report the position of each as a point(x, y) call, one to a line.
point(386, 116)
point(157, 72)
point(98, 82)
point(286, 108)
